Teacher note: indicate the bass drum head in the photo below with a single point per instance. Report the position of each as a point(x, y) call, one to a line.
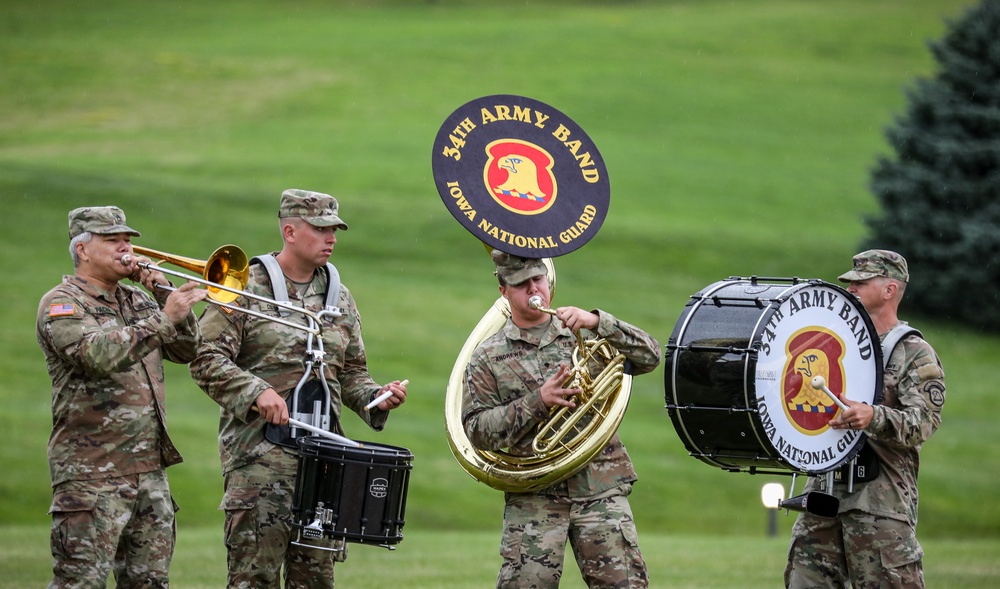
point(740, 364)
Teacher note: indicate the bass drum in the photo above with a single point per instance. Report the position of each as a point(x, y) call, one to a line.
point(739, 368)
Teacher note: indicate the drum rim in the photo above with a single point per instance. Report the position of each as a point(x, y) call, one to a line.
point(365, 449)
point(877, 395)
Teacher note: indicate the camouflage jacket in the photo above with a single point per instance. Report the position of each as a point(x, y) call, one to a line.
point(241, 356)
point(104, 353)
point(909, 414)
point(502, 406)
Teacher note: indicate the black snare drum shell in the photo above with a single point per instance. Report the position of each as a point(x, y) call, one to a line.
point(366, 488)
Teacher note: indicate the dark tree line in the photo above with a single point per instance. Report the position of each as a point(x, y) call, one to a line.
point(940, 194)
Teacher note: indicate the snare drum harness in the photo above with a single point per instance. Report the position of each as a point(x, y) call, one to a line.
point(316, 391)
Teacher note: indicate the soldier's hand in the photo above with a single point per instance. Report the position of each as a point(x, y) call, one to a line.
point(398, 397)
point(149, 276)
point(575, 318)
point(553, 392)
point(272, 407)
point(180, 301)
point(857, 416)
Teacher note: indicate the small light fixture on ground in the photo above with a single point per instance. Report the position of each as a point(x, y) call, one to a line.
point(771, 495)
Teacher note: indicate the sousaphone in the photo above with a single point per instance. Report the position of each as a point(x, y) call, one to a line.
point(523, 178)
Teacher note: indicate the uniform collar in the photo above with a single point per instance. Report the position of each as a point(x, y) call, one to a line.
point(90, 288)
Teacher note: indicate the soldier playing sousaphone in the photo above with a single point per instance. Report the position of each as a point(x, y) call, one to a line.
point(513, 381)
point(537, 394)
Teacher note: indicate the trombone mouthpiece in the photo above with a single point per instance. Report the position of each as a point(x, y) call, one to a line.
point(126, 259)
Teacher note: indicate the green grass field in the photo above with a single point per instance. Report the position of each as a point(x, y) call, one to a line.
point(465, 559)
point(738, 139)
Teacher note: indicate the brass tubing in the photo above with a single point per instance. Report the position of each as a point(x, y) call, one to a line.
point(229, 263)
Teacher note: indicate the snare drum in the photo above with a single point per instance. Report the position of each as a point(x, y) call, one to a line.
point(739, 368)
point(354, 494)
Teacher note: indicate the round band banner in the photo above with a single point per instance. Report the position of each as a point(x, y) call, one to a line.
point(521, 176)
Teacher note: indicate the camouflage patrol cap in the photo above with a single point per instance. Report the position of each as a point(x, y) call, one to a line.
point(99, 220)
point(514, 269)
point(315, 207)
point(874, 263)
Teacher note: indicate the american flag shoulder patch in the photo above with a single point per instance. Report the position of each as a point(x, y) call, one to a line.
point(62, 309)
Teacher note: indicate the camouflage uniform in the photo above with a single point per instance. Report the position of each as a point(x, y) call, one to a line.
point(241, 357)
point(872, 542)
point(111, 505)
point(501, 411)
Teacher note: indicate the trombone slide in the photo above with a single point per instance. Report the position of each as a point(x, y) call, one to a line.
point(314, 326)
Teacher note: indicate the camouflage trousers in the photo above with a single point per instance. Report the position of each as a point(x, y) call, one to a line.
point(259, 530)
point(121, 524)
point(864, 550)
point(600, 530)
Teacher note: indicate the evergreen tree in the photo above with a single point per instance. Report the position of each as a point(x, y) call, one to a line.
point(940, 196)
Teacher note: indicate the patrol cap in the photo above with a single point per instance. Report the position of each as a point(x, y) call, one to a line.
point(315, 207)
point(99, 220)
point(874, 263)
point(514, 269)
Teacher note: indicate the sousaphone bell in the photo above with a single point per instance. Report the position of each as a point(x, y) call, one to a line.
point(525, 179)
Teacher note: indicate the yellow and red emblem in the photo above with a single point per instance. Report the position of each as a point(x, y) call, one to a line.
point(521, 176)
point(812, 351)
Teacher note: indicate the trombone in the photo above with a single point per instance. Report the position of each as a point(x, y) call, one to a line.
point(225, 273)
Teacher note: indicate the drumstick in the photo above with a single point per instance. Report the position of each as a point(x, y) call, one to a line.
point(321, 432)
point(819, 383)
point(325, 434)
point(383, 396)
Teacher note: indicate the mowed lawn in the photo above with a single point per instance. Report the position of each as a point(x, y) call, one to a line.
point(466, 559)
point(738, 139)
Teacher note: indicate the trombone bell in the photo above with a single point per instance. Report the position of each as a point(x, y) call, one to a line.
point(228, 267)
